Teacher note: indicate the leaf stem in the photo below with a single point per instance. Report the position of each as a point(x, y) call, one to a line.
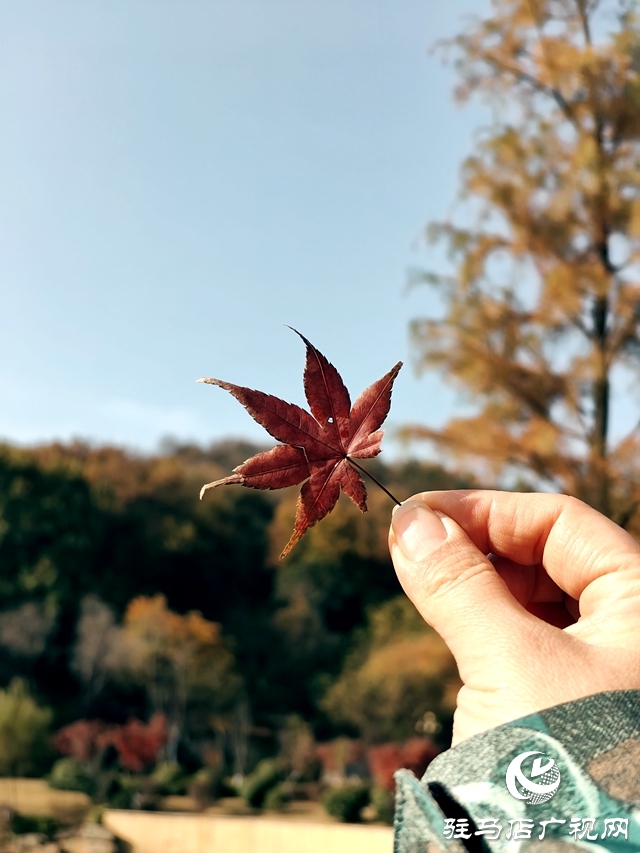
point(375, 480)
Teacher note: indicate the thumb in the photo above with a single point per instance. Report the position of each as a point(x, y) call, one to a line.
point(457, 590)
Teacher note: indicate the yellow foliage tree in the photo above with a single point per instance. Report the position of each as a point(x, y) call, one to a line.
point(540, 320)
point(399, 672)
point(181, 660)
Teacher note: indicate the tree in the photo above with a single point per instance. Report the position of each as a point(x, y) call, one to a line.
point(326, 586)
point(98, 637)
point(398, 670)
point(78, 521)
point(24, 730)
point(540, 315)
point(151, 530)
point(49, 528)
point(24, 630)
point(181, 661)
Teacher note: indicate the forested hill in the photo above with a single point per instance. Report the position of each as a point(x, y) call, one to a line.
point(85, 527)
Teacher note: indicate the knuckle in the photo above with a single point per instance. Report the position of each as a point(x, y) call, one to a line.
point(454, 570)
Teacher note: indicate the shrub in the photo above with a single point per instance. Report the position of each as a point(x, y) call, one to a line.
point(385, 758)
point(68, 774)
point(80, 740)
point(24, 727)
point(120, 798)
point(132, 792)
point(25, 824)
point(277, 797)
point(138, 744)
point(418, 753)
point(266, 775)
point(346, 802)
point(382, 802)
point(95, 814)
point(341, 758)
point(169, 778)
point(206, 784)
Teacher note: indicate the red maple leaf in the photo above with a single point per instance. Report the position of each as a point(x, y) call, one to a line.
point(319, 448)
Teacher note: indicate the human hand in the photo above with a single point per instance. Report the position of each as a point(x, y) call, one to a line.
point(536, 595)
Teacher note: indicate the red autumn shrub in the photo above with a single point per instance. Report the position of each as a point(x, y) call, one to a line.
point(385, 758)
point(138, 743)
point(80, 740)
point(343, 755)
point(418, 753)
point(324, 753)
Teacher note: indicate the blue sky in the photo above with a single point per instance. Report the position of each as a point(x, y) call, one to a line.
point(179, 180)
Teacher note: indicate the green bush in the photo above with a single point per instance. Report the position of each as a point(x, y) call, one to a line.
point(382, 802)
point(169, 778)
point(267, 774)
point(137, 791)
point(347, 801)
point(24, 824)
point(95, 814)
point(312, 771)
point(119, 794)
point(120, 798)
point(24, 732)
point(207, 784)
point(104, 781)
point(68, 774)
point(277, 797)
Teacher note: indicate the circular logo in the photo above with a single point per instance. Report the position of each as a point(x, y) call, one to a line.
point(540, 783)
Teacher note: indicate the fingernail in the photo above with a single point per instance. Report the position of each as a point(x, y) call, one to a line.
point(418, 530)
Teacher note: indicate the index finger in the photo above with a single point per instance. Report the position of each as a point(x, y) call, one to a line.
point(575, 543)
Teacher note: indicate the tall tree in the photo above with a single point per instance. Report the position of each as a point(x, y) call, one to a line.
point(540, 313)
point(182, 661)
point(398, 670)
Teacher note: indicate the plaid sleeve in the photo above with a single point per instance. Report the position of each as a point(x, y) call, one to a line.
point(565, 779)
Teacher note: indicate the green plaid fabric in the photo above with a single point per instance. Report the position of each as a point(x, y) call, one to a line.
point(463, 803)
